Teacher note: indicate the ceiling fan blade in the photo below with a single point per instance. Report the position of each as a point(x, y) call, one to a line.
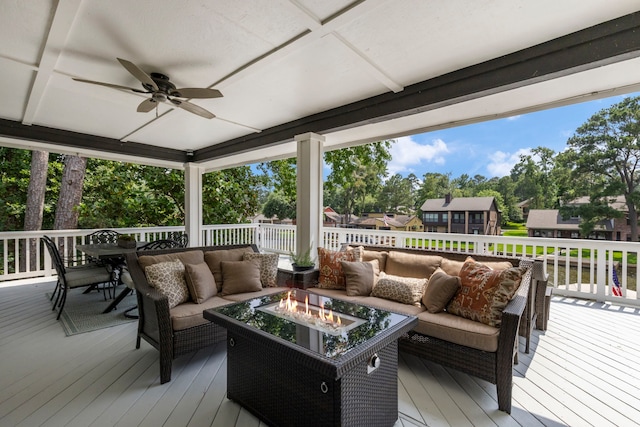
point(193, 108)
point(138, 73)
point(194, 92)
point(147, 105)
point(109, 85)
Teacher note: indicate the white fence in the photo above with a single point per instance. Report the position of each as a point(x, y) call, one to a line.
point(579, 268)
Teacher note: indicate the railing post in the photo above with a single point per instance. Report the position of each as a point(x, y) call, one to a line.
point(601, 275)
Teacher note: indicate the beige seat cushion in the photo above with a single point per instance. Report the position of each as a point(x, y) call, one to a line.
point(189, 314)
point(411, 265)
point(244, 296)
point(335, 293)
point(214, 258)
point(389, 305)
point(458, 330)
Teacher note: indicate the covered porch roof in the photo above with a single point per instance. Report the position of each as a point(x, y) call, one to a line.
point(354, 71)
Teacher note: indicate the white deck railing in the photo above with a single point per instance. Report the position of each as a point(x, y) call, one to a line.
point(578, 268)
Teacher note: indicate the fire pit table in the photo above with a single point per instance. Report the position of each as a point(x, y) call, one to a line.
point(296, 358)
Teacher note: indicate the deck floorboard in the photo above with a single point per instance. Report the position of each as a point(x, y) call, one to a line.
point(583, 371)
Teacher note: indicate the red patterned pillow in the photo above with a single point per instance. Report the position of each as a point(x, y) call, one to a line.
point(484, 292)
point(331, 273)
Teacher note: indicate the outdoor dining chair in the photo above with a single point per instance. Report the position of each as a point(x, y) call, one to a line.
point(73, 277)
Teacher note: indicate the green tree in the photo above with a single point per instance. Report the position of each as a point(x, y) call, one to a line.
point(398, 195)
point(604, 156)
point(358, 171)
point(534, 178)
point(434, 186)
point(279, 205)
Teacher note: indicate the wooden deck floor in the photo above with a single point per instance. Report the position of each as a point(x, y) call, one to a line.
point(584, 371)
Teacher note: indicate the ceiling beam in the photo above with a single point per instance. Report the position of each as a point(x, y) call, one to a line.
point(65, 14)
point(15, 130)
point(596, 46)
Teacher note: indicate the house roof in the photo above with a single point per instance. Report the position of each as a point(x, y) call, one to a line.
point(459, 204)
point(550, 219)
point(354, 71)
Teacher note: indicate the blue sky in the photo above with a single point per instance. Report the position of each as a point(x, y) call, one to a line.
point(491, 148)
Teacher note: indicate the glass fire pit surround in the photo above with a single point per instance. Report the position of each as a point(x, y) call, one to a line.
point(330, 338)
point(297, 358)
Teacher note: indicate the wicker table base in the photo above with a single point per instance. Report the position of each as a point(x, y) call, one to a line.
point(285, 389)
point(297, 375)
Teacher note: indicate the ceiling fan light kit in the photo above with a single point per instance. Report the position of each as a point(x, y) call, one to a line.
point(162, 90)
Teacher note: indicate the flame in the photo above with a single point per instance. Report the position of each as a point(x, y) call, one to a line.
point(291, 305)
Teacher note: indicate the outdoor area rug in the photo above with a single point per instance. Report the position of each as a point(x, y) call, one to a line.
point(83, 312)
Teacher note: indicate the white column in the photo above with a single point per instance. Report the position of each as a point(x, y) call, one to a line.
point(309, 192)
point(193, 203)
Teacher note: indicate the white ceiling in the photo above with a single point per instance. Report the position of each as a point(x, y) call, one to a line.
point(277, 61)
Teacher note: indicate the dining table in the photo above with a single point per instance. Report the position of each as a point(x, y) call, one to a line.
point(111, 253)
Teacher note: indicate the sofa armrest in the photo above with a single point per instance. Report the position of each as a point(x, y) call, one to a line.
point(511, 316)
point(153, 307)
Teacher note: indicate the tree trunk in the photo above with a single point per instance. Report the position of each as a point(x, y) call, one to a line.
point(70, 195)
point(35, 204)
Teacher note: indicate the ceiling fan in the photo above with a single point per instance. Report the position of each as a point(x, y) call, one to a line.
point(161, 90)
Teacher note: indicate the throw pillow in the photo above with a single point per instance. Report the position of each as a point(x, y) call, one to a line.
point(200, 282)
point(240, 276)
point(168, 278)
point(440, 289)
point(484, 292)
point(331, 275)
point(360, 276)
point(268, 267)
point(214, 258)
point(407, 290)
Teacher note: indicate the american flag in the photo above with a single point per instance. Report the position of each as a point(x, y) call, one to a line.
point(616, 289)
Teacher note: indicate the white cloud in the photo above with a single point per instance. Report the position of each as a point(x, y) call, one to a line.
point(406, 152)
point(514, 117)
point(501, 163)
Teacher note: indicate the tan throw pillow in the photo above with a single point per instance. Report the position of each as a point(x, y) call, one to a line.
point(240, 276)
point(268, 267)
point(440, 289)
point(360, 276)
point(484, 292)
point(168, 278)
point(214, 258)
point(200, 282)
point(411, 265)
point(407, 290)
point(331, 275)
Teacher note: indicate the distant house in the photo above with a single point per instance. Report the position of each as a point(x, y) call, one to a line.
point(331, 218)
point(388, 221)
point(524, 207)
point(549, 223)
point(466, 215)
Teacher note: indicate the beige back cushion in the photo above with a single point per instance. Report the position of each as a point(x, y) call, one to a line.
point(214, 258)
point(381, 256)
point(187, 257)
point(453, 268)
point(411, 265)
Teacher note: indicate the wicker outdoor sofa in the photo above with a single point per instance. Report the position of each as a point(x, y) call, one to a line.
point(168, 331)
point(182, 329)
point(434, 337)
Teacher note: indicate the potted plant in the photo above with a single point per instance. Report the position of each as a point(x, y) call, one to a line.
point(126, 241)
point(303, 261)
